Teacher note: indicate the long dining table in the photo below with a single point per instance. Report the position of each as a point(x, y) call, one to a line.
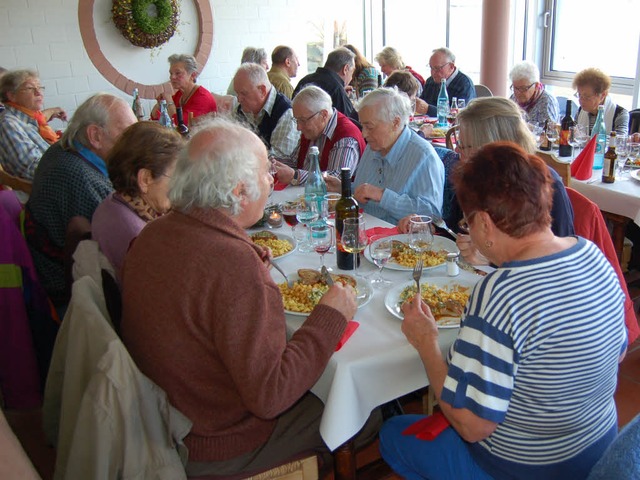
point(377, 364)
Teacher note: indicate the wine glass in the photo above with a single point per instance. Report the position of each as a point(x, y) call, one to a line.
point(461, 103)
point(420, 234)
point(536, 130)
point(354, 238)
point(307, 213)
point(273, 172)
point(332, 201)
point(622, 150)
point(380, 251)
point(322, 240)
point(552, 133)
point(289, 213)
point(578, 136)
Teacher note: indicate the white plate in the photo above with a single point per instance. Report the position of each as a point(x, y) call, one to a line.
point(392, 298)
point(365, 292)
point(635, 174)
point(281, 236)
point(439, 243)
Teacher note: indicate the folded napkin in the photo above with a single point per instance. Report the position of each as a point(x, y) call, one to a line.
point(438, 140)
point(429, 427)
point(382, 231)
point(352, 326)
point(277, 186)
point(582, 166)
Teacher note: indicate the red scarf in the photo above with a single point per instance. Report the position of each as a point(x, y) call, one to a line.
point(536, 95)
point(45, 130)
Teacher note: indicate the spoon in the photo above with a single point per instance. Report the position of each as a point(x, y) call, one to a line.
point(439, 222)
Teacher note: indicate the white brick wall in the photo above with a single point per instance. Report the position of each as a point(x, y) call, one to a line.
point(44, 34)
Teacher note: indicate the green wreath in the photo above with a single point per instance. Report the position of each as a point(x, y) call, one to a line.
point(132, 18)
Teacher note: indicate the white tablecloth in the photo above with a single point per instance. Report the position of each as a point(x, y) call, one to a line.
point(377, 364)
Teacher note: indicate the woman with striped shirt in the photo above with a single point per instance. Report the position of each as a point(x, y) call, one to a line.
point(528, 385)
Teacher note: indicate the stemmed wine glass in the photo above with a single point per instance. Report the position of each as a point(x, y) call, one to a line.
point(622, 150)
point(552, 133)
point(578, 136)
point(354, 238)
point(461, 104)
point(289, 213)
point(307, 213)
point(380, 251)
point(420, 234)
point(322, 240)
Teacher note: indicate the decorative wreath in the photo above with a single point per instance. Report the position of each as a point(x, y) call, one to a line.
point(141, 29)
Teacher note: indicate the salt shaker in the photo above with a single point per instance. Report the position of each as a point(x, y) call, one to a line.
point(452, 264)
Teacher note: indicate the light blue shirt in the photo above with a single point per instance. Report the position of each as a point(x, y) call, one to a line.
point(412, 176)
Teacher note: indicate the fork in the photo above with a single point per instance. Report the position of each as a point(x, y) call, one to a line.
point(440, 223)
point(279, 268)
point(417, 273)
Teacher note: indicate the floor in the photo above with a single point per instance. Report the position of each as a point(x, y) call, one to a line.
point(27, 424)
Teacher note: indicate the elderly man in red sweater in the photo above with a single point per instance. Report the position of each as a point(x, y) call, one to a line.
point(204, 320)
point(339, 140)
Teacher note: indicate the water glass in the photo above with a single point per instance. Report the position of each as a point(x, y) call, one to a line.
point(622, 150)
point(380, 250)
point(307, 213)
point(420, 234)
point(332, 201)
point(461, 103)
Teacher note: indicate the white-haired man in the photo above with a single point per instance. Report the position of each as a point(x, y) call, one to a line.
point(72, 180)
point(203, 318)
point(338, 139)
point(267, 110)
point(399, 173)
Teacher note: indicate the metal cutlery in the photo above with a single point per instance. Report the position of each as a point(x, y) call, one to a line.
point(417, 273)
point(327, 276)
point(279, 268)
point(440, 223)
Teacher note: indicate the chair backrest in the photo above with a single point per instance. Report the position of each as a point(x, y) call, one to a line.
point(450, 137)
point(634, 121)
point(483, 91)
point(14, 183)
point(562, 106)
point(563, 168)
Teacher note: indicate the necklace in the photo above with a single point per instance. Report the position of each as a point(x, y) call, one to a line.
point(184, 99)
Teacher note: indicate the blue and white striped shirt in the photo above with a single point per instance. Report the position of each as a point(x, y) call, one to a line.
point(538, 353)
point(21, 144)
point(412, 176)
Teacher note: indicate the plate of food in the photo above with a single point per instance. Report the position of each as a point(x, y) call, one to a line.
point(309, 287)
point(403, 257)
point(446, 297)
point(280, 244)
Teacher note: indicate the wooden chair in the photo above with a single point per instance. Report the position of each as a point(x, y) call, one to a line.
point(483, 91)
point(15, 183)
point(450, 138)
point(562, 168)
point(305, 468)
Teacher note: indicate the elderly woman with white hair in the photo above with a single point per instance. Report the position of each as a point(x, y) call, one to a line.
point(193, 98)
point(204, 320)
point(530, 95)
point(399, 173)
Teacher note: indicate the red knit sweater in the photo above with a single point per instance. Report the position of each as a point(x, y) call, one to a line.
point(204, 320)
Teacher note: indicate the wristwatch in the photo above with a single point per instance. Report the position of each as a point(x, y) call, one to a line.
point(294, 180)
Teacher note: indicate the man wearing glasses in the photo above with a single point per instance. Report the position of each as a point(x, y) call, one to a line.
point(459, 85)
point(338, 139)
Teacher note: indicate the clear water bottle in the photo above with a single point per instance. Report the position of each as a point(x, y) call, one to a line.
point(315, 181)
point(443, 104)
point(600, 132)
point(165, 119)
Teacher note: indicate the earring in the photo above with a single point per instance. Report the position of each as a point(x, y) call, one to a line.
point(488, 244)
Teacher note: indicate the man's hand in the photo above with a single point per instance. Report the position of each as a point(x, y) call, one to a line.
point(284, 173)
point(421, 106)
point(366, 192)
point(333, 183)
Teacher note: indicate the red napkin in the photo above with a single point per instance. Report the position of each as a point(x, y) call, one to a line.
point(428, 428)
point(438, 140)
point(582, 166)
point(384, 231)
point(352, 326)
point(279, 186)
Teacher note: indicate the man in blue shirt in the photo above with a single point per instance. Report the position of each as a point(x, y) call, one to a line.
point(399, 172)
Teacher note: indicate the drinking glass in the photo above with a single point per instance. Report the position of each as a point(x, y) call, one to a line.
point(307, 213)
point(332, 200)
point(536, 130)
point(420, 234)
point(322, 240)
point(354, 238)
point(552, 133)
point(380, 250)
point(289, 213)
point(273, 172)
point(622, 150)
point(634, 153)
point(578, 136)
point(461, 103)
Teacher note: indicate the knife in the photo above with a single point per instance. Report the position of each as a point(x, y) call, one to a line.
point(326, 275)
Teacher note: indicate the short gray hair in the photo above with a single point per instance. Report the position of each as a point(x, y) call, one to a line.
point(254, 55)
point(525, 71)
point(338, 58)
point(255, 73)
point(94, 111)
point(314, 98)
point(11, 81)
point(391, 103)
point(189, 61)
point(206, 177)
point(390, 56)
point(446, 52)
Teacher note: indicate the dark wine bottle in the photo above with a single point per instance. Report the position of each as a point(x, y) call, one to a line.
point(565, 149)
point(610, 160)
point(545, 144)
point(346, 207)
point(182, 127)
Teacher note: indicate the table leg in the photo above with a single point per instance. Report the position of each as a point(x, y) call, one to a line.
point(344, 461)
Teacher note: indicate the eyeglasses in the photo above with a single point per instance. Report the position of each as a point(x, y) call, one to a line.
point(521, 89)
point(463, 224)
point(302, 121)
point(34, 90)
point(437, 69)
point(585, 97)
